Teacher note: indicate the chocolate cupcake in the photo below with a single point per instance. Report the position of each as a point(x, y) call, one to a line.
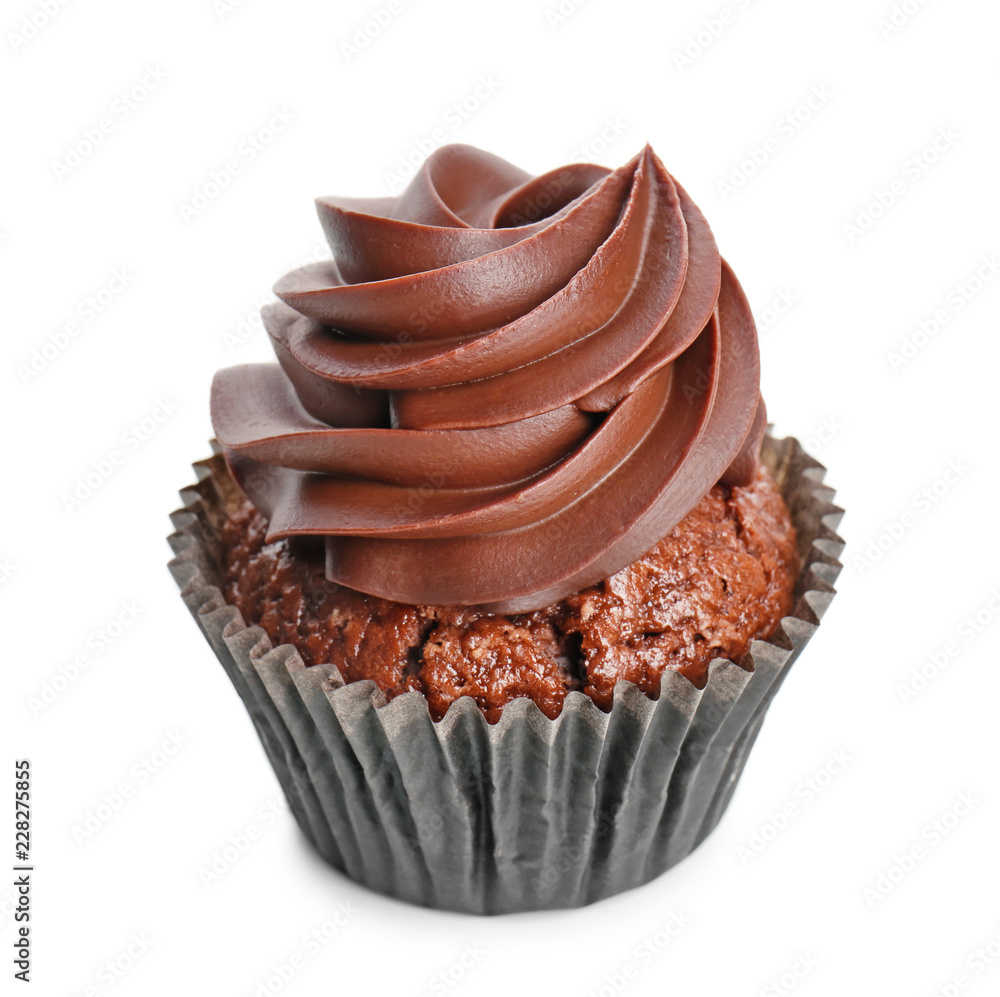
point(497, 554)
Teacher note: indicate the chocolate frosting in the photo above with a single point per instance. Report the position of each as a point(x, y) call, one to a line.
point(502, 388)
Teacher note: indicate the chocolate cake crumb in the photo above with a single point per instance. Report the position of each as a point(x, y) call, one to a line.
point(723, 577)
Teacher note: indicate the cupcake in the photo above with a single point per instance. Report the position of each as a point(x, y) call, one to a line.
point(499, 554)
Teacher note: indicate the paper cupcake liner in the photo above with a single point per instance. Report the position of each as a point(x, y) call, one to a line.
point(529, 813)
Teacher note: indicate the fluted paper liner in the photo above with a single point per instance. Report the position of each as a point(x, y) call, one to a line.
point(529, 813)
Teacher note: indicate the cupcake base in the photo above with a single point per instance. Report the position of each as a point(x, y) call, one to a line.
point(528, 813)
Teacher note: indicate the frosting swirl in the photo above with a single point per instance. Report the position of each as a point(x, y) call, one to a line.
point(501, 388)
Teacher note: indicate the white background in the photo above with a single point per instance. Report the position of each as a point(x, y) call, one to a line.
point(910, 443)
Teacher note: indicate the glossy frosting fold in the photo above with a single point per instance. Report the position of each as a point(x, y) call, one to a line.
point(501, 388)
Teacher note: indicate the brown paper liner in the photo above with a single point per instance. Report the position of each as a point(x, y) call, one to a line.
point(529, 813)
